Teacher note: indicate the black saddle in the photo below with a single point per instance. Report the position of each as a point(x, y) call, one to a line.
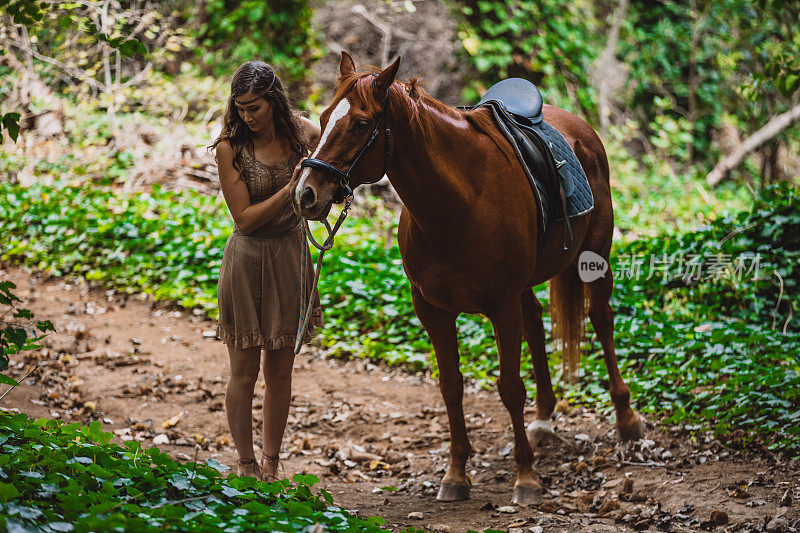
point(519, 97)
point(558, 181)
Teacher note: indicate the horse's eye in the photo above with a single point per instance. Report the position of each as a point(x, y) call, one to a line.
point(361, 124)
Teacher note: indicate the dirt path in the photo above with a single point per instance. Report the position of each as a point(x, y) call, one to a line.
point(377, 437)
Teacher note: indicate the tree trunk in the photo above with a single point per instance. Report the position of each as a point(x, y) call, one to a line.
point(604, 66)
point(694, 82)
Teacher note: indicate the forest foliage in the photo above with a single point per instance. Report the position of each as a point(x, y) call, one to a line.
point(677, 74)
point(69, 477)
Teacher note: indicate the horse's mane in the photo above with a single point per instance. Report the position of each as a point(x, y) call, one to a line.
point(410, 96)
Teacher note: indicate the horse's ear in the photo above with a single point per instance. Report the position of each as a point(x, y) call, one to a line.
point(386, 78)
point(347, 66)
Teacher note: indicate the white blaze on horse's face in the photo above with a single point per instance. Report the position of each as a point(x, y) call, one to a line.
point(341, 109)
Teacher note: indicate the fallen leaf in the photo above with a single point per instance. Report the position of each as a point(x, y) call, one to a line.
point(627, 486)
point(172, 422)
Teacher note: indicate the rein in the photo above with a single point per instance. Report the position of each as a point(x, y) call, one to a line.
point(306, 305)
point(344, 193)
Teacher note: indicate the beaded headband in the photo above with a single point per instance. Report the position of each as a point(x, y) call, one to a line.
point(274, 77)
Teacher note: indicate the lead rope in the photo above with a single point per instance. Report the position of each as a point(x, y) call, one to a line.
point(306, 302)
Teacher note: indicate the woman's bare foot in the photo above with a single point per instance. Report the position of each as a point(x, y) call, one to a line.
point(269, 467)
point(248, 467)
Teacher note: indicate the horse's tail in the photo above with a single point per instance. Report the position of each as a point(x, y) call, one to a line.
point(568, 310)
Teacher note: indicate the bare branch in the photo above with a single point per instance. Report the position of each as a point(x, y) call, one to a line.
point(20, 381)
point(382, 26)
point(139, 75)
point(75, 73)
point(772, 128)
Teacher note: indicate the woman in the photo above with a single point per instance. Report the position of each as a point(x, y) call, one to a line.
point(261, 145)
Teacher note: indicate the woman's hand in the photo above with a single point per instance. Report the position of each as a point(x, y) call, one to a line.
point(296, 174)
point(290, 187)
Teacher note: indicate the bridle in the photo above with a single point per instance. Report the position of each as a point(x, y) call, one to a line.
point(345, 189)
point(344, 193)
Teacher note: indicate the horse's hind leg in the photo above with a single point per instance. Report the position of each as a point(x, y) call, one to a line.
point(533, 330)
point(507, 322)
point(441, 328)
point(629, 424)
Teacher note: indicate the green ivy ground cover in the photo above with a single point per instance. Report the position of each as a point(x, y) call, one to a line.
point(717, 352)
point(68, 477)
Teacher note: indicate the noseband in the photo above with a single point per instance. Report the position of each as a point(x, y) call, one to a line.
point(345, 189)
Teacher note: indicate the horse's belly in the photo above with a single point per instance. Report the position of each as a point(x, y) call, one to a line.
point(455, 286)
point(452, 293)
point(466, 275)
point(553, 259)
point(454, 297)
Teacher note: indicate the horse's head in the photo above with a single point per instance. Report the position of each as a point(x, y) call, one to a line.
point(355, 144)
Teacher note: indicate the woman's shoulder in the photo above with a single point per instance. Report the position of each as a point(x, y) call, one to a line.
point(224, 149)
point(304, 121)
point(311, 131)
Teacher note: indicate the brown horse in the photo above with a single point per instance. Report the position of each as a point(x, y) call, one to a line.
point(468, 240)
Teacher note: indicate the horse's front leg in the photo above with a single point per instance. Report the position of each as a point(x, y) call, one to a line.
point(441, 328)
point(507, 322)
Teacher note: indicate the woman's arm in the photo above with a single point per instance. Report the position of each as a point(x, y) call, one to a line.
point(247, 217)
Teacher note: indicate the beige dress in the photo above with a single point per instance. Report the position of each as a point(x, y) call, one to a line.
point(259, 280)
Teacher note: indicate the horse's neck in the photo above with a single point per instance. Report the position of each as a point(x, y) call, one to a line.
point(427, 173)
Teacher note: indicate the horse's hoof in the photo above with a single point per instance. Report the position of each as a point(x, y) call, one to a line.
point(633, 430)
point(540, 433)
point(453, 492)
point(527, 495)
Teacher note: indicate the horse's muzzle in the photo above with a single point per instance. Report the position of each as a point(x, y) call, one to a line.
point(306, 198)
point(306, 204)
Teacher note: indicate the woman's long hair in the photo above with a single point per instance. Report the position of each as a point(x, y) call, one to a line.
point(260, 79)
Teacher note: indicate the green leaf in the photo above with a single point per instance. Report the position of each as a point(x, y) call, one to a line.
point(60, 526)
point(180, 482)
point(10, 122)
point(8, 381)
point(216, 465)
point(791, 84)
point(7, 492)
point(231, 492)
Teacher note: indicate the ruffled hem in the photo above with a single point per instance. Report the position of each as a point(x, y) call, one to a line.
point(256, 338)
